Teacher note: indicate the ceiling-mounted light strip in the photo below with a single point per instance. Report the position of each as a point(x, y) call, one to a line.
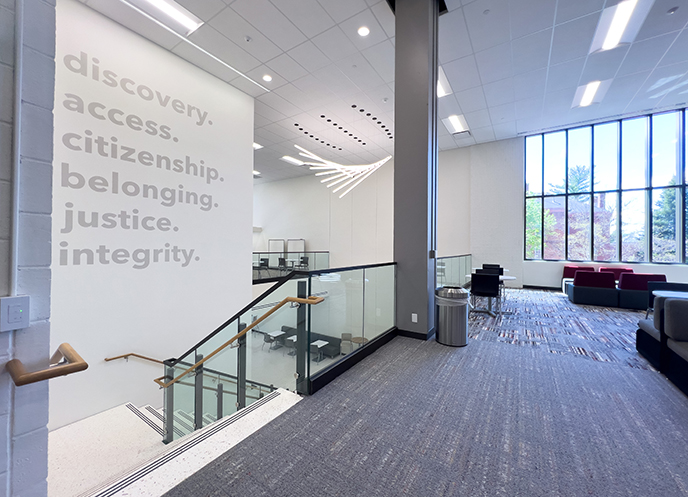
point(455, 124)
point(291, 160)
point(443, 86)
point(176, 13)
point(348, 176)
point(186, 40)
point(591, 93)
point(620, 24)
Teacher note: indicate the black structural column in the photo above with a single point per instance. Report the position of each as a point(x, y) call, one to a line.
point(415, 164)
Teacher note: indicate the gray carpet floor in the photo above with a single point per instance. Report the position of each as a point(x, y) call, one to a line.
point(490, 419)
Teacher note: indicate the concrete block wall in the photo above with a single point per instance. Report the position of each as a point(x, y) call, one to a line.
point(24, 410)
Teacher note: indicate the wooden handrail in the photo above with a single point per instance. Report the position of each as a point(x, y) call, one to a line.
point(309, 301)
point(133, 354)
point(65, 351)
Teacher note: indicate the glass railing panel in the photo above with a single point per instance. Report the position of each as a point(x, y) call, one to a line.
point(454, 271)
point(339, 317)
point(271, 346)
point(379, 313)
point(178, 408)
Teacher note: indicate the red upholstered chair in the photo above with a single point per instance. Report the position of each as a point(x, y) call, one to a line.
point(616, 270)
point(570, 272)
point(593, 288)
point(633, 293)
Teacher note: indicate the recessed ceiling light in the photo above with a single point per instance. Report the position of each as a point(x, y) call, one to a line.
point(256, 173)
point(455, 124)
point(291, 160)
point(363, 31)
point(620, 24)
point(267, 78)
point(443, 86)
point(590, 93)
point(171, 14)
point(257, 146)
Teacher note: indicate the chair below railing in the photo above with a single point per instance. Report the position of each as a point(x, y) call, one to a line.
point(73, 364)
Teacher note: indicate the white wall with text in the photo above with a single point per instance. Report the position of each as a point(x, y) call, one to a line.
point(152, 208)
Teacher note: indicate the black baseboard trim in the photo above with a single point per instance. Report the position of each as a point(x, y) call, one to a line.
point(325, 376)
point(536, 287)
point(416, 335)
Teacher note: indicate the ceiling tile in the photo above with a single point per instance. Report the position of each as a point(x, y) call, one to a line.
point(568, 10)
point(678, 51)
point(448, 106)
point(286, 67)
point(260, 71)
point(247, 87)
point(478, 119)
point(264, 110)
point(529, 108)
point(530, 84)
point(483, 135)
point(462, 73)
point(335, 44)
point(359, 71)
point(495, 63)
point(237, 29)
point(502, 113)
point(307, 15)
point(221, 47)
point(384, 16)
point(453, 39)
point(488, 23)
point(603, 65)
point(381, 57)
point(499, 92)
point(530, 17)
point(658, 22)
point(643, 55)
point(472, 99)
point(204, 9)
point(558, 102)
point(264, 16)
point(367, 19)
point(340, 11)
point(532, 51)
point(279, 104)
point(446, 142)
point(336, 81)
point(573, 39)
point(465, 141)
point(623, 89)
point(565, 75)
point(309, 56)
point(505, 130)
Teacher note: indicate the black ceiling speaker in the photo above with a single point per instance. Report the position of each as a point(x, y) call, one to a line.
point(443, 6)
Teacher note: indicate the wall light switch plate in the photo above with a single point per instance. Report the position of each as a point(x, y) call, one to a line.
point(14, 313)
point(414, 317)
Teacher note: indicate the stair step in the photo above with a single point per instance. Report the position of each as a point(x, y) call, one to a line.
point(146, 418)
point(162, 473)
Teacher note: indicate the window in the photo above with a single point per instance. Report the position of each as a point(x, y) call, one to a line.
point(609, 192)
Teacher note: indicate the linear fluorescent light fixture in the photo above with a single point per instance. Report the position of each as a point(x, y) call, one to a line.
point(291, 160)
point(619, 24)
point(171, 14)
point(154, 19)
point(257, 146)
point(455, 124)
point(591, 93)
point(256, 173)
point(443, 86)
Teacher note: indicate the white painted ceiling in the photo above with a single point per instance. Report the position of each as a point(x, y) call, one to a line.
point(514, 66)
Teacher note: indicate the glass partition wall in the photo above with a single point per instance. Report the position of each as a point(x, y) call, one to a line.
point(286, 338)
point(454, 270)
point(272, 265)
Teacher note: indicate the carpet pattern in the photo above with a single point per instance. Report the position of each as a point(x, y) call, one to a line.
point(548, 319)
point(490, 419)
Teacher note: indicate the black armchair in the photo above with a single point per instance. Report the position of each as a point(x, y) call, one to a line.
point(486, 285)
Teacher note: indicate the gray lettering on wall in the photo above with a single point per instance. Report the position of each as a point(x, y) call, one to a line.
point(139, 258)
point(90, 67)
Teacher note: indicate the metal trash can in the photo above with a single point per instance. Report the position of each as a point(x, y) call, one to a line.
point(451, 318)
